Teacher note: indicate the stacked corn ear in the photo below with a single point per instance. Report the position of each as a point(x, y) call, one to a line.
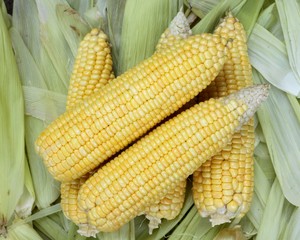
point(156, 164)
point(92, 70)
point(170, 206)
point(223, 186)
point(129, 105)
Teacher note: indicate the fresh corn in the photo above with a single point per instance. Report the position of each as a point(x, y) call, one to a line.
point(223, 186)
point(92, 68)
point(169, 206)
point(127, 107)
point(145, 172)
point(95, 48)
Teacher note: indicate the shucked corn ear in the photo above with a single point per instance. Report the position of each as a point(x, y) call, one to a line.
point(128, 106)
point(223, 185)
point(91, 71)
point(158, 162)
point(170, 205)
point(92, 68)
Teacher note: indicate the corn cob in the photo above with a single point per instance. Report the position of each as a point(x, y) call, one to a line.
point(169, 206)
point(145, 172)
point(98, 72)
point(92, 68)
point(223, 186)
point(128, 106)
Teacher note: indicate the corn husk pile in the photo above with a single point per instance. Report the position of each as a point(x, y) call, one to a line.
point(38, 44)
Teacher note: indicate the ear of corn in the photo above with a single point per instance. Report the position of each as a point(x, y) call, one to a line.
point(223, 185)
point(129, 105)
point(156, 164)
point(92, 68)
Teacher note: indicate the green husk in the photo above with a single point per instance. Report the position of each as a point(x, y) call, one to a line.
point(289, 14)
point(276, 214)
point(248, 14)
point(12, 145)
point(51, 228)
point(72, 26)
point(269, 19)
point(268, 55)
point(281, 128)
point(125, 232)
point(46, 188)
point(143, 23)
point(23, 232)
point(27, 200)
point(212, 18)
point(292, 230)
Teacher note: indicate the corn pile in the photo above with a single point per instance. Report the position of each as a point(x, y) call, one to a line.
point(135, 120)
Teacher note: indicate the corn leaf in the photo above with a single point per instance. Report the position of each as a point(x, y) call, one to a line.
point(143, 23)
point(269, 19)
point(282, 130)
point(193, 225)
point(23, 232)
point(268, 55)
point(208, 23)
point(201, 8)
point(276, 214)
point(125, 232)
point(26, 21)
point(115, 13)
point(72, 26)
point(46, 188)
point(289, 14)
point(248, 14)
point(27, 200)
point(12, 144)
point(292, 230)
point(50, 228)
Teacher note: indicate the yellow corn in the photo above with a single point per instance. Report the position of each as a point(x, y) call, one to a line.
point(169, 206)
point(223, 186)
point(92, 68)
point(145, 172)
point(91, 71)
point(128, 106)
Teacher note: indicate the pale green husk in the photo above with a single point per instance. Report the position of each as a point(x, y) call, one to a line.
point(12, 145)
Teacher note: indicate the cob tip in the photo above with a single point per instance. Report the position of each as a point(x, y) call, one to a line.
point(252, 97)
point(180, 26)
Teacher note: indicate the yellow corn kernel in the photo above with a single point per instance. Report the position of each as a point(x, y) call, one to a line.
point(157, 169)
point(142, 101)
point(231, 161)
point(92, 68)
